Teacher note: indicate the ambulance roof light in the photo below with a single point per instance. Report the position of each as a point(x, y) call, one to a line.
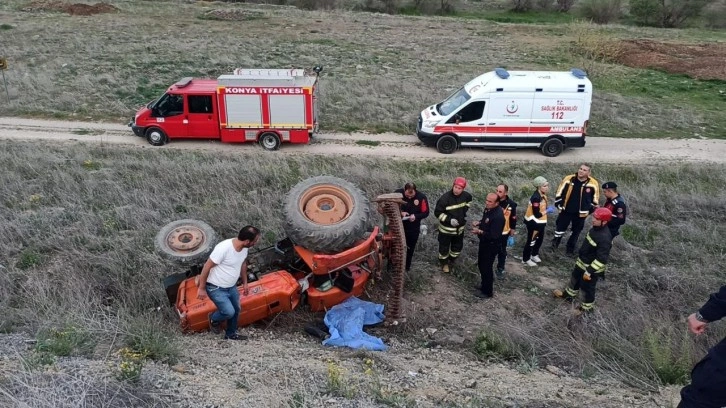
point(578, 73)
point(501, 73)
point(184, 82)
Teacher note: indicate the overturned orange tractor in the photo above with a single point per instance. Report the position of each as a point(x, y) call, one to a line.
point(329, 254)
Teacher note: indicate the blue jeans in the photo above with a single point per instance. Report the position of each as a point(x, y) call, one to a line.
point(228, 307)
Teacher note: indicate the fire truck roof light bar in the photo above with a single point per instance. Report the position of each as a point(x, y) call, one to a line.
point(268, 73)
point(184, 82)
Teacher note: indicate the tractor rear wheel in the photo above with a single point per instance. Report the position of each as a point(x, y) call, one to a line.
point(186, 241)
point(326, 214)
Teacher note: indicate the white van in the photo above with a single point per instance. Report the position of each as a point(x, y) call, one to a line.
point(512, 109)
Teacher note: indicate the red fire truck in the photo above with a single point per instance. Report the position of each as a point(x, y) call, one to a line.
point(269, 106)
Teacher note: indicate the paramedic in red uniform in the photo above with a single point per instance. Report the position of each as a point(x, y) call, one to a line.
point(451, 211)
point(615, 203)
point(577, 197)
point(415, 209)
point(708, 378)
point(509, 207)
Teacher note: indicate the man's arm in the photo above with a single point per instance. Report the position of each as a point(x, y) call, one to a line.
point(424, 209)
point(621, 212)
point(711, 311)
point(202, 290)
point(513, 218)
point(243, 275)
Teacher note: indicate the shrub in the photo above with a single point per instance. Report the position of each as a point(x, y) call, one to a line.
point(670, 367)
point(666, 13)
point(544, 5)
point(600, 11)
point(594, 46)
point(490, 344)
point(521, 5)
point(565, 5)
point(714, 15)
point(64, 342)
point(149, 335)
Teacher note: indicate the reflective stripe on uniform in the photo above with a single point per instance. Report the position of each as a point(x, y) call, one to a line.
point(597, 266)
point(457, 206)
point(453, 254)
point(580, 264)
point(590, 240)
point(450, 230)
point(587, 306)
point(442, 217)
point(571, 292)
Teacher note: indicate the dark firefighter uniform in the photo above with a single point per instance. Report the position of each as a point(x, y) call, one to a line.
point(451, 238)
point(576, 200)
point(708, 378)
point(491, 225)
point(536, 220)
point(620, 212)
point(591, 262)
point(418, 206)
point(509, 209)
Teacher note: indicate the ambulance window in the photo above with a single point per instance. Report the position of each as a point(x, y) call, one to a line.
point(200, 103)
point(452, 103)
point(469, 113)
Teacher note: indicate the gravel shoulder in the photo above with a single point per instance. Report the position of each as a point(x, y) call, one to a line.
point(598, 149)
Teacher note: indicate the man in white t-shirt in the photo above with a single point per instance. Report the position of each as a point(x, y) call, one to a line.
point(226, 264)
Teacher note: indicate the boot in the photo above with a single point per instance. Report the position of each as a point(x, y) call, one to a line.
point(445, 268)
point(559, 293)
point(556, 242)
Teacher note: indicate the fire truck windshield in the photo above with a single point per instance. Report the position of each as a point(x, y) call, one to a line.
point(453, 102)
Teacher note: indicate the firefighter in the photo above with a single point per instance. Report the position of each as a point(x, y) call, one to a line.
point(509, 207)
point(591, 261)
point(536, 220)
point(451, 211)
point(577, 197)
point(616, 205)
point(708, 378)
point(413, 210)
point(489, 230)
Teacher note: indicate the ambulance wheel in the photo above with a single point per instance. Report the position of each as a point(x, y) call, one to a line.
point(186, 241)
point(326, 214)
point(156, 137)
point(270, 141)
point(553, 147)
point(447, 144)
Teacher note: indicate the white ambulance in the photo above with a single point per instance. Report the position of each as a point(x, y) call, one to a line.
point(512, 109)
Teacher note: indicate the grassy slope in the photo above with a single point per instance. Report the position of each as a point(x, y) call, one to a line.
point(78, 225)
point(380, 71)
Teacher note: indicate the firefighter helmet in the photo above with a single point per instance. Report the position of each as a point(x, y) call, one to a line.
point(460, 181)
point(603, 214)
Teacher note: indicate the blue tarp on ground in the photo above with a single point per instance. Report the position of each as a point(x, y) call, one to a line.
point(345, 323)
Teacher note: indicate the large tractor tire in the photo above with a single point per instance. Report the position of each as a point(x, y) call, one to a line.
point(186, 241)
point(326, 214)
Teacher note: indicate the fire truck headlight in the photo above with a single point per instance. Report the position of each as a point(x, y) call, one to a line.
point(430, 123)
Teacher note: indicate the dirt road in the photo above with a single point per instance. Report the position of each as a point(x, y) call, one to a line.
point(598, 149)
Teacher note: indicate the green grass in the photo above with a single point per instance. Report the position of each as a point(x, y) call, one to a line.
point(377, 75)
point(529, 17)
point(95, 229)
point(705, 99)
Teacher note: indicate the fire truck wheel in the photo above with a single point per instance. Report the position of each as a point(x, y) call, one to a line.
point(270, 141)
point(186, 241)
point(552, 147)
point(156, 136)
point(447, 144)
point(326, 214)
